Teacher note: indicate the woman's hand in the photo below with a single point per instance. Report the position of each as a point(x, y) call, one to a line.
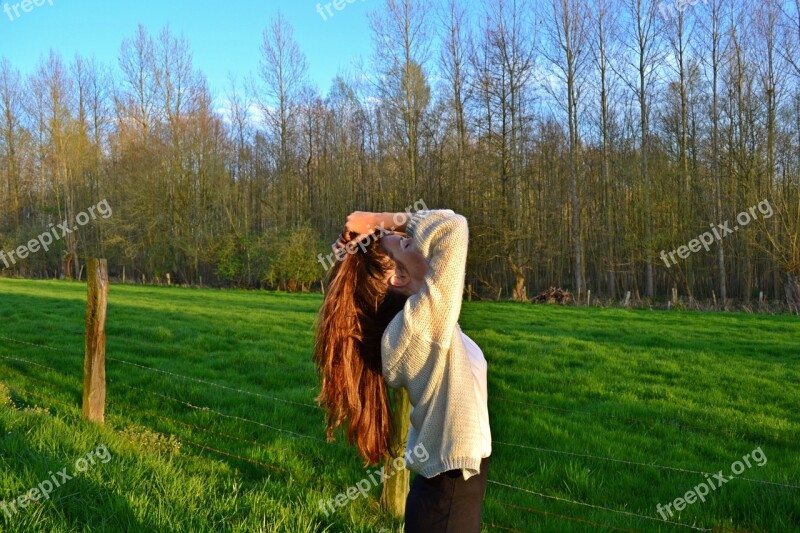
point(358, 226)
point(362, 223)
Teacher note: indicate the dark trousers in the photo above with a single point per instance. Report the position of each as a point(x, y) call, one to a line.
point(446, 503)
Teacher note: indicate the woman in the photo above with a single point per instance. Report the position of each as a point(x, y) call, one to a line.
point(390, 317)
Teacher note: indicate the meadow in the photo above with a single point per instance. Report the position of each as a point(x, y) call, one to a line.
point(598, 416)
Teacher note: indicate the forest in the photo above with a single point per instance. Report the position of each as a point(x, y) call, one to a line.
point(583, 141)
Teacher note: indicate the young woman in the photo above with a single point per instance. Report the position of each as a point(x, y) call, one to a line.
point(390, 317)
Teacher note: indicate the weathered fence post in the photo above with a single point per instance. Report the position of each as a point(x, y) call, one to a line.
point(395, 489)
point(94, 363)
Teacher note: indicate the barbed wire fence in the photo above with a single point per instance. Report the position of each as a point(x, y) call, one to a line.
point(203, 446)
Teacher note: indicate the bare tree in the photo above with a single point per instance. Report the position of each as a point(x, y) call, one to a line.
point(179, 102)
point(401, 36)
point(136, 59)
point(604, 39)
point(679, 32)
point(282, 69)
point(453, 62)
point(645, 46)
point(504, 64)
point(713, 56)
point(567, 52)
point(11, 95)
point(52, 81)
point(772, 75)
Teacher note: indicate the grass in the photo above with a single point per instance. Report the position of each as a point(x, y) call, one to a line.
point(662, 393)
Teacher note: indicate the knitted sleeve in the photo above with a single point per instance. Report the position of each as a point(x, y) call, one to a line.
point(427, 324)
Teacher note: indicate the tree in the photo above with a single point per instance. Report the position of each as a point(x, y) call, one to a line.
point(53, 86)
point(645, 48)
point(504, 65)
point(11, 131)
point(282, 73)
point(604, 37)
point(136, 59)
point(453, 63)
point(713, 59)
point(401, 38)
point(566, 50)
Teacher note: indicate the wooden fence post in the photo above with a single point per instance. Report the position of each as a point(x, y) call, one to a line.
point(94, 363)
point(395, 489)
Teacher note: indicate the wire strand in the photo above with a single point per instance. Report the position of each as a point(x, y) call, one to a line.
point(649, 465)
point(598, 507)
point(214, 432)
point(174, 374)
point(212, 384)
point(306, 476)
point(233, 417)
point(29, 343)
point(682, 426)
point(20, 360)
point(572, 518)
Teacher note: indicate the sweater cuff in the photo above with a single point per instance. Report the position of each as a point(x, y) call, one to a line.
point(416, 218)
point(432, 227)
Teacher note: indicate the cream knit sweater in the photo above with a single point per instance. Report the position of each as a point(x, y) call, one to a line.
point(422, 350)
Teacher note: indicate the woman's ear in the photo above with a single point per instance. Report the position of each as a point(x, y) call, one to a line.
point(398, 279)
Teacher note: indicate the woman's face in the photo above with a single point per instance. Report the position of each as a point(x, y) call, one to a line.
point(410, 265)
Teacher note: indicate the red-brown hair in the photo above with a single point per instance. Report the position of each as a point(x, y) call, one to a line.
point(358, 306)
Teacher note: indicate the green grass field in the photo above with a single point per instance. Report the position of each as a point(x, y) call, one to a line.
point(597, 416)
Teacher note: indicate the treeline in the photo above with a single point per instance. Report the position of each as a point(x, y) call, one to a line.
point(581, 139)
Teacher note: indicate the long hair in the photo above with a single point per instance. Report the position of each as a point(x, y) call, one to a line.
point(357, 308)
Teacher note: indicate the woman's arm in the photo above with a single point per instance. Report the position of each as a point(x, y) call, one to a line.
point(428, 321)
point(442, 237)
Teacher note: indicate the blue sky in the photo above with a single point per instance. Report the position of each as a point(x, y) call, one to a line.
point(224, 36)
